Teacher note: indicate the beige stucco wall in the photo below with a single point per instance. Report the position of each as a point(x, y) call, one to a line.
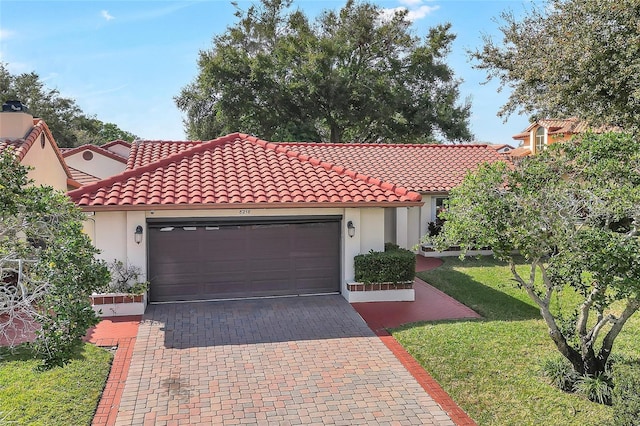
point(15, 125)
point(46, 167)
point(99, 166)
point(113, 232)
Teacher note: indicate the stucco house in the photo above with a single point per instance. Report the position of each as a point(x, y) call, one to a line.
point(90, 163)
point(33, 145)
point(241, 217)
point(543, 133)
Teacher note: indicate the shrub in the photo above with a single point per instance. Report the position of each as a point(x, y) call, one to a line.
point(560, 373)
point(597, 387)
point(394, 266)
point(626, 395)
point(125, 278)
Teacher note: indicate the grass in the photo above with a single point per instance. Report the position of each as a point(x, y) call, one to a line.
point(491, 367)
point(61, 396)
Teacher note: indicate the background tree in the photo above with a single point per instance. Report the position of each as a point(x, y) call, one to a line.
point(570, 58)
point(573, 212)
point(68, 124)
point(350, 75)
point(48, 268)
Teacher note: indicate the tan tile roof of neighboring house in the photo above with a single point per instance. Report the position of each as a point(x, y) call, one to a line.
point(97, 149)
point(239, 170)
point(82, 177)
point(518, 152)
point(21, 146)
point(571, 125)
point(422, 168)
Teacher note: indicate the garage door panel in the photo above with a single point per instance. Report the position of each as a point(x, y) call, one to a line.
point(221, 262)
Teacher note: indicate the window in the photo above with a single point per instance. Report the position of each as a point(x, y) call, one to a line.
point(540, 145)
point(439, 206)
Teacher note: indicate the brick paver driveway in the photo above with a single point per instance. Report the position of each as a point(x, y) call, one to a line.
point(301, 360)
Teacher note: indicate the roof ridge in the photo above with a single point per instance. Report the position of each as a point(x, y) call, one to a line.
point(378, 145)
point(115, 142)
point(128, 173)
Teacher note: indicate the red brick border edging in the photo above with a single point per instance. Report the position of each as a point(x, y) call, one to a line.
point(427, 382)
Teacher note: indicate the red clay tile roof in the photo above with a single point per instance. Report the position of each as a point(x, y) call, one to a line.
point(146, 152)
point(95, 148)
point(22, 146)
point(239, 170)
point(420, 168)
point(82, 177)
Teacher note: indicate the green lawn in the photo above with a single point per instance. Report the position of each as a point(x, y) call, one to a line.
point(60, 396)
point(490, 367)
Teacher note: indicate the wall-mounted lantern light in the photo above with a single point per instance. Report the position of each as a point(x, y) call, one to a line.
point(137, 236)
point(351, 229)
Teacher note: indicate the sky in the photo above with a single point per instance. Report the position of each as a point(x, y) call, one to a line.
point(124, 61)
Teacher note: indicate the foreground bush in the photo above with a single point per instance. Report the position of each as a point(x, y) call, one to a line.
point(392, 266)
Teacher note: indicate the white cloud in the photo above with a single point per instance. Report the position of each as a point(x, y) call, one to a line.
point(414, 13)
point(421, 12)
point(6, 34)
point(106, 15)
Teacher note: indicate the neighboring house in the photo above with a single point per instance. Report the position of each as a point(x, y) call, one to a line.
point(502, 148)
point(91, 163)
point(33, 145)
point(242, 217)
point(543, 133)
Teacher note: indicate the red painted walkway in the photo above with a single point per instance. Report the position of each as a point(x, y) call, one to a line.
point(117, 332)
point(430, 305)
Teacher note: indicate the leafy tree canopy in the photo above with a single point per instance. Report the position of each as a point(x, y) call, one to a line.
point(48, 268)
point(573, 212)
point(68, 124)
point(570, 58)
point(349, 75)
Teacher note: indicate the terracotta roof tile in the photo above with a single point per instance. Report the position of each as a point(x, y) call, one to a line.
point(146, 152)
point(235, 170)
point(421, 168)
point(82, 177)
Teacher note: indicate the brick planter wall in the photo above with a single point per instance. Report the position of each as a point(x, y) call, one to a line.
point(379, 286)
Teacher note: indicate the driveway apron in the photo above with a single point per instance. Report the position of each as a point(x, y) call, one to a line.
point(301, 360)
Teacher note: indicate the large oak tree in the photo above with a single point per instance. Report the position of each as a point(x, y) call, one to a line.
point(570, 58)
point(350, 75)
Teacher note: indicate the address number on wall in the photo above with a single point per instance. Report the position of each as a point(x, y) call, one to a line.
point(245, 211)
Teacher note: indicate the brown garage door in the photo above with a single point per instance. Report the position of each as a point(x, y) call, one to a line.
point(233, 260)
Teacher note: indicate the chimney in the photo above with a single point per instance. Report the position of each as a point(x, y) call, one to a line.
point(15, 120)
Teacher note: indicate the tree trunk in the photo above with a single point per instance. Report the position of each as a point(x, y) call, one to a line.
point(336, 134)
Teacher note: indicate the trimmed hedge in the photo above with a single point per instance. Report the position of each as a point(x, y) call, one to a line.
point(392, 266)
point(626, 395)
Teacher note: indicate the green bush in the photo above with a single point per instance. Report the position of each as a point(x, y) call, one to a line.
point(626, 395)
point(597, 388)
point(560, 373)
point(393, 266)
